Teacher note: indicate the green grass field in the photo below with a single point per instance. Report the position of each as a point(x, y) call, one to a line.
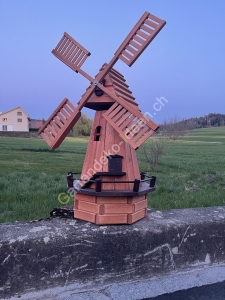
point(190, 174)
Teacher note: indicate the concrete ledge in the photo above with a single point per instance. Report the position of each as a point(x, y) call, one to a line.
point(72, 259)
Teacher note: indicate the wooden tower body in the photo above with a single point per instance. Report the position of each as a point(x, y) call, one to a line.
point(113, 162)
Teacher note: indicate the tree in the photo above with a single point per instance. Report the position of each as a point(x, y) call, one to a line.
point(83, 126)
point(153, 150)
point(175, 128)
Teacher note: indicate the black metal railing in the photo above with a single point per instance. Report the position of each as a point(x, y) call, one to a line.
point(99, 182)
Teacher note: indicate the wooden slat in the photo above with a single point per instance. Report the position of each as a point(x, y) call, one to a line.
point(117, 208)
point(86, 198)
point(115, 111)
point(136, 216)
point(139, 40)
point(124, 117)
point(88, 206)
point(154, 18)
point(150, 23)
point(56, 128)
point(84, 215)
point(117, 72)
point(71, 51)
point(114, 78)
point(121, 57)
point(125, 92)
point(127, 122)
point(111, 108)
point(144, 138)
point(119, 115)
point(146, 28)
point(108, 200)
point(127, 55)
point(134, 44)
point(76, 43)
point(75, 57)
point(111, 219)
point(142, 34)
point(122, 86)
point(132, 50)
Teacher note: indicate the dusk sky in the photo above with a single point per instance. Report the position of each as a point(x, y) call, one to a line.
point(185, 63)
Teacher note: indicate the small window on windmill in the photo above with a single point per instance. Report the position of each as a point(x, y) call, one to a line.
point(97, 133)
point(115, 163)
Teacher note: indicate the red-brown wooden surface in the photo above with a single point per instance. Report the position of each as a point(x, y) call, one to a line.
point(139, 38)
point(71, 52)
point(59, 124)
point(132, 125)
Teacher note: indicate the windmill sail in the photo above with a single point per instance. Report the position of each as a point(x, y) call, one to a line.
point(133, 127)
point(139, 38)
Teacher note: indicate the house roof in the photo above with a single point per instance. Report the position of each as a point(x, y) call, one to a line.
point(2, 113)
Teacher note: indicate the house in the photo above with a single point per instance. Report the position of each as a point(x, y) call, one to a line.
point(35, 124)
point(15, 119)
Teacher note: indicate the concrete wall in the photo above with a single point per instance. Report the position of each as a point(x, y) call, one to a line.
point(15, 120)
point(72, 259)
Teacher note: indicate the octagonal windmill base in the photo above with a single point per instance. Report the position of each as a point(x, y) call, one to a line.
point(110, 210)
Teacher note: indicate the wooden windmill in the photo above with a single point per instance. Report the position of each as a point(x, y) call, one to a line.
point(112, 189)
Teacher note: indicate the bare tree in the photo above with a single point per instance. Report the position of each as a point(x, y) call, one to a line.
point(153, 150)
point(175, 128)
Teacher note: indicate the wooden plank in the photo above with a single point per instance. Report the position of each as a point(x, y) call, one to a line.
point(109, 141)
point(90, 153)
point(140, 205)
point(127, 54)
point(132, 50)
point(111, 219)
point(139, 40)
point(111, 108)
point(115, 208)
point(109, 200)
point(130, 168)
point(136, 216)
point(119, 115)
point(152, 24)
point(61, 43)
point(84, 215)
point(116, 83)
point(142, 34)
point(114, 78)
point(56, 128)
point(115, 111)
point(86, 198)
point(120, 132)
point(135, 165)
point(147, 29)
point(121, 144)
point(125, 92)
point(76, 43)
point(119, 122)
point(134, 44)
point(144, 138)
point(72, 48)
point(124, 59)
point(117, 74)
point(88, 206)
point(134, 199)
point(156, 19)
point(126, 122)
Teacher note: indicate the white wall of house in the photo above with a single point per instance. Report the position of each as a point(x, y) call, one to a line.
point(14, 120)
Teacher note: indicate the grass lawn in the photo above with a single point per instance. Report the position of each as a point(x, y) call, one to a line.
point(190, 174)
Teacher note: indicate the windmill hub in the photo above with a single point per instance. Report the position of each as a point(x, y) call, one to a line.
point(112, 189)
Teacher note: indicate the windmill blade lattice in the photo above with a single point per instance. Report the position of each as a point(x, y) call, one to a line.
point(71, 52)
point(130, 123)
point(139, 38)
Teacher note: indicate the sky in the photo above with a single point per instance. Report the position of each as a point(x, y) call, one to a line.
point(183, 68)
